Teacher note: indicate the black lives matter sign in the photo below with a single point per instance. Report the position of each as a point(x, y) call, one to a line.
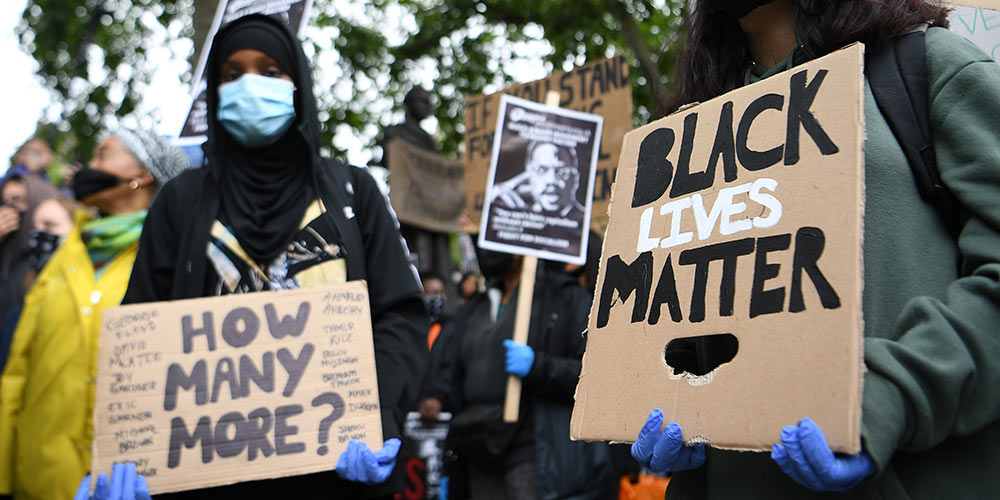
point(731, 278)
point(206, 392)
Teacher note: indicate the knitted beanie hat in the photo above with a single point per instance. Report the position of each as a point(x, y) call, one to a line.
point(163, 160)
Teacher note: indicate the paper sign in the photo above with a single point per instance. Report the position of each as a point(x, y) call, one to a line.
point(293, 12)
point(543, 166)
point(215, 391)
point(980, 25)
point(601, 88)
point(428, 190)
point(740, 219)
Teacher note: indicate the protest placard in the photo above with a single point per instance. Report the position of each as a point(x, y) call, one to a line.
point(428, 190)
point(293, 12)
point(423, 454)
point(985, 4)
point(729, 292)
point(979, 24)
point(542, 169)
point(214, 391)
point(601, 87)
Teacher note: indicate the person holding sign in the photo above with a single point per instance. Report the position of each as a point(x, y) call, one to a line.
point(533, 457)
point(269, 213)
point(47, 387)
point(932, 278)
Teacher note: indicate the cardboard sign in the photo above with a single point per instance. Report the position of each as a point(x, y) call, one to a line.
point(986, 4)
point(293, 12)
point(980, 25)
point(428, 190)
point(215, 391)
point(424, 446)
point(736, 225)
point(541, 174)
point(601, 88)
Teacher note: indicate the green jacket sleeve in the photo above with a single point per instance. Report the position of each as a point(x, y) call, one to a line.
point(936, 375)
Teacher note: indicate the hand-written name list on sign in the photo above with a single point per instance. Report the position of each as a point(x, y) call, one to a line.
point(242, 386)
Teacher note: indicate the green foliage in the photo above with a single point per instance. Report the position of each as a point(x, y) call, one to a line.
point(366, 54)
point(91, 55)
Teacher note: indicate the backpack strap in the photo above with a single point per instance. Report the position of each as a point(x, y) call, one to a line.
point(898, 78)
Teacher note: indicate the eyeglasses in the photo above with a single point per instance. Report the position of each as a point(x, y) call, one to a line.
point(562, 172)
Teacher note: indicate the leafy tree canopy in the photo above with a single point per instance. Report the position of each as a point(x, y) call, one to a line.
point(366, 54)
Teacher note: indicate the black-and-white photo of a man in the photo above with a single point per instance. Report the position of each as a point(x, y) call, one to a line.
point(548, 184)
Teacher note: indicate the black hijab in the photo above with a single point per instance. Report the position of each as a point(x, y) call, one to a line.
point(264, 192)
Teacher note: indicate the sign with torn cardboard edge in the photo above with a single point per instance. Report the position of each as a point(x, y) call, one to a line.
point(738, 222)
point(542, 169)
point(428, 190)
point(600, 87)
point(215, 391)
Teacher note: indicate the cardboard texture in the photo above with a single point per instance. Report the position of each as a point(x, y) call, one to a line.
point(428, 190)
point(981, 25)
point(541, 174)
point(768, 249)
point(601, 88)
point(986, 4)
point(215, 391)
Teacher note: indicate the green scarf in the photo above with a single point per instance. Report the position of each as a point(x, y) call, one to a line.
point(107, 236)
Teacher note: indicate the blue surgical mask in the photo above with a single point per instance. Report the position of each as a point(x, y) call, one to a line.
point(256, 110)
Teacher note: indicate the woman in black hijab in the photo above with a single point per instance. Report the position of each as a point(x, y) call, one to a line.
point(268, 213)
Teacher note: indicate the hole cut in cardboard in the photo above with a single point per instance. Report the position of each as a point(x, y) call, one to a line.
point(700, 355)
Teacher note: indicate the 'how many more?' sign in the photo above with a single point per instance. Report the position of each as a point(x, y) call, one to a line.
point(214, 391)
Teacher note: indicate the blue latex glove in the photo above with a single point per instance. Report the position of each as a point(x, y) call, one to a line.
point(125, 484)
point(519, 358)
point(359, 464)
point(806, 457)
point(665, 452)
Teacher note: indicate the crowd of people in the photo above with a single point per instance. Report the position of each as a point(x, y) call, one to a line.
point(264, 210)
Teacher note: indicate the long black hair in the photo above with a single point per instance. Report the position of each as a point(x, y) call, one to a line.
point(717, 54)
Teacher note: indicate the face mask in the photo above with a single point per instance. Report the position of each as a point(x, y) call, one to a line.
point(494, 264)
point(87, 182)
point(41, 246)
point(256, 110)
point(738, 8)
point(435, 306)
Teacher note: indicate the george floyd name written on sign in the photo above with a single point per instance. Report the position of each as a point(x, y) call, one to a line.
point(207, 392)
point(731, 278)
point(600, 88)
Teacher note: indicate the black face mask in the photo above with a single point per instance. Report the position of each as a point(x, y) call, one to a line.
point(41, 246)
point(737, 8)
point(435, 306)
point(494, 264)
point(87, 182)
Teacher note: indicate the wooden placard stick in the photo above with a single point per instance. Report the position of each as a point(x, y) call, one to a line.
point(522, 318)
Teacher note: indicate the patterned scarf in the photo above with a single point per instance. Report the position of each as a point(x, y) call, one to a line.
point(107, 236)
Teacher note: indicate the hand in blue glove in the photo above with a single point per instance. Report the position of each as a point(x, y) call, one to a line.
point(359, 464)
point(806, 457)
point(125, 484)
point(665, 452)
point(519, 358)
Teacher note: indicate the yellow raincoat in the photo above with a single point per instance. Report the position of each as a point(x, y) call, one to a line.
point(47, 387)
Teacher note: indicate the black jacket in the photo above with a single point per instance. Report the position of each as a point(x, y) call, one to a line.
point(171, 265)
point(468, 375)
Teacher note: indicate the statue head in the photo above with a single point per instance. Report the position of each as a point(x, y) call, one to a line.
point(418, 103)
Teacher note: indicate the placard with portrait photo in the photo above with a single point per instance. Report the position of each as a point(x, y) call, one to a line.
point(541, 180)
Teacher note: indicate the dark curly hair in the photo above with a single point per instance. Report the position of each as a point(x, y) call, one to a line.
point(717, 54)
